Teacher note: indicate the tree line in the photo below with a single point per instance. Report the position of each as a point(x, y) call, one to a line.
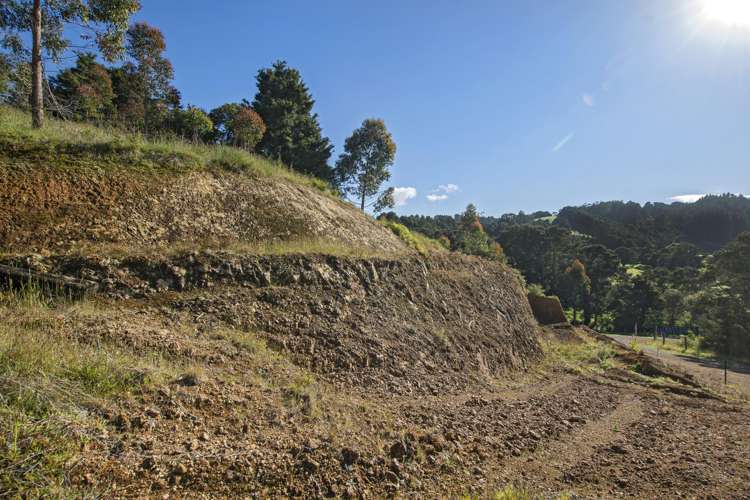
point(138, 94)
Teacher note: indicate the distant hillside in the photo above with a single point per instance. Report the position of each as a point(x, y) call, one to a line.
point(709, 223)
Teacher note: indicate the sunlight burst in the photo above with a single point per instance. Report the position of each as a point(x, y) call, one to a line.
point(731, 12)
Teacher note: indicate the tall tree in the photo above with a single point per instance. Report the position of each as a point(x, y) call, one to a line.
point(237, 124)
point(146, 46)
point(102, 23)
point(364, 165)
point(673, 304)
point(222, 118)
point(247, 128)
point(632, 299)
point(732, 265)
point(293, 134)
point(191, 123)
point(601, 264)
point(576, 285)
point(86, 89)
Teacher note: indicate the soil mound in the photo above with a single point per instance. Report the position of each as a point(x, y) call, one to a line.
point(43, 206)
point(403, 326)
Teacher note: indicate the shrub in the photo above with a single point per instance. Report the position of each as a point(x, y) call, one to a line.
point(418, 242)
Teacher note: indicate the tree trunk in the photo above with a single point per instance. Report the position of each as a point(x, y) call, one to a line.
point(362, 204)
point(37, 98)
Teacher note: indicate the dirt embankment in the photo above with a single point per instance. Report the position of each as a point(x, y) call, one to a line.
point(46, 207)
point(402, 326)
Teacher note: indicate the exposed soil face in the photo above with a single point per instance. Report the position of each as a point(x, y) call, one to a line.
point(43, 207)
point(397, 326)
point(246, 426)
point(323, 377)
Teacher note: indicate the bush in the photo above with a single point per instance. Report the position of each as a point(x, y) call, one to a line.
point(418, 242)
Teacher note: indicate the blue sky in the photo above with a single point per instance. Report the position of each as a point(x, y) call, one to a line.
point(511, 105)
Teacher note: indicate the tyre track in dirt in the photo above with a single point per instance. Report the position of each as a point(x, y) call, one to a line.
point(549, 463)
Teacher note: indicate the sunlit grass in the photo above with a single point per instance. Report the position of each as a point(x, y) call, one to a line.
point(77, 144)
point(584, 355)
point(413, 239)
point(48, 382)
point(305, 246)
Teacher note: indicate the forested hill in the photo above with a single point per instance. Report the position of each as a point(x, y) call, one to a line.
point(710, 223)
point(635, 231)
point(623, 264)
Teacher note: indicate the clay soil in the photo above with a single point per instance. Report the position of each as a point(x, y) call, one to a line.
point(360, 380)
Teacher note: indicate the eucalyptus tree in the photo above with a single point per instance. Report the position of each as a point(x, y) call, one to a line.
point(365, 164)
point(101, 24)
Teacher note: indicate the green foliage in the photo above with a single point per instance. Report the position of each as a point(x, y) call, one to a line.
point(732, 265)
point(247, 128)
point(601, 264)
point(293, 134)
point(222, 118)
point(145, 48)
point(678, 255)
point(237, 124)
point(85, 90)
point(418, 242)
point(535, 289)
point(673, 304)
point(632, 299)
point(471, 238)
point(105, 22)
point(576, 286)
point(364, 165)
point(191, 123)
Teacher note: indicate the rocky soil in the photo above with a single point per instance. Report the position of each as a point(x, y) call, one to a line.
point(46, 207)
point(314, 376)
point(397, 326)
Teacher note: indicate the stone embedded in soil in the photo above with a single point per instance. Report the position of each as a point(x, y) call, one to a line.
point(349, 456)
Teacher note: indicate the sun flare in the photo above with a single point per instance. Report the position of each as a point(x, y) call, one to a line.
point(731, 12)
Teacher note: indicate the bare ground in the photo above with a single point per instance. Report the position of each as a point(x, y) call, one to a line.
point(335, 383)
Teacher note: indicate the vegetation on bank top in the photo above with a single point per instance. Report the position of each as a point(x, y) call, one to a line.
point(138, 96)
point(72, 144)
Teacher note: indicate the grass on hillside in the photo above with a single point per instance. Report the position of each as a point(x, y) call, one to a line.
point(310, 246)
point(413, 239)
point(582, 356)
point(47, 384)
point(71, 144)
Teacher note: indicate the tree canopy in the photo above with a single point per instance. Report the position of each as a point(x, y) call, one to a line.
point(293, 134)
point(364, 165)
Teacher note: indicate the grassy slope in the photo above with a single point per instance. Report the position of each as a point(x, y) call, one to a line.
point(70, 142)
point(81, 146)
point(48, 386)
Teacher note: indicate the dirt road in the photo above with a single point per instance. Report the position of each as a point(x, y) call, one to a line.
point(708, 371)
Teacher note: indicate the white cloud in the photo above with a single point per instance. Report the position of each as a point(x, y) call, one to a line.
point(446, 188)
point(563, 142)
point(588, 100)
point(692, 198)
point(687, 198)
point(401, 195)
point(442, 191)
point(437, 197)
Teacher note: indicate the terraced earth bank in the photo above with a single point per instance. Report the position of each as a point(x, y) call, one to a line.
point(320, 376)
point(368, 371)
